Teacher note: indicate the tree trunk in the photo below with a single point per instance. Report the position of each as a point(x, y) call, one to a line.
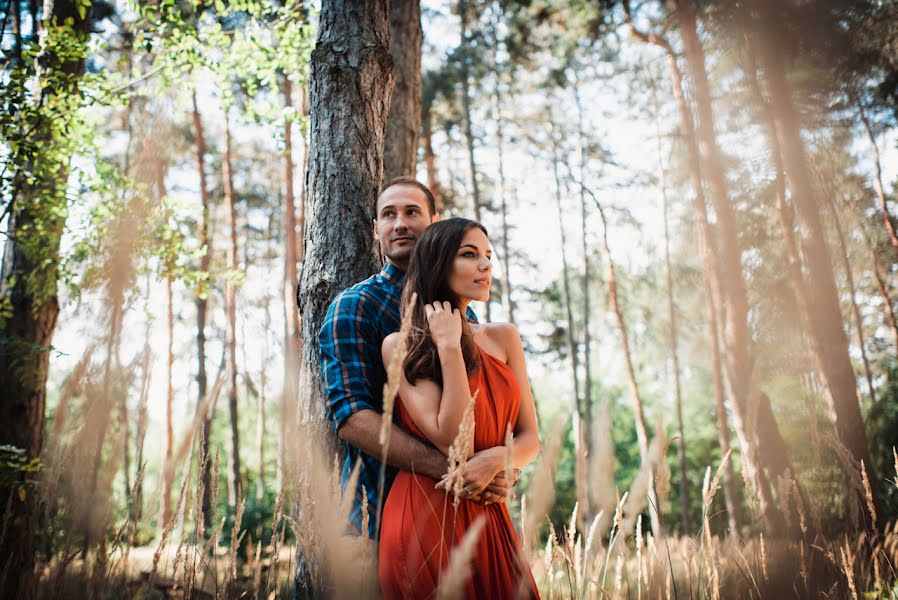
point(642, 435)
point(473, 183)
point(501, 187)
point(727, 274)
point(877, 177)
point(581, 425)
point(713, 279)
point(672, 332)
point(882, 288)
point(168, 470)
point(825, 310)
point(292, 334)
point(345, 168)
point(205, 240)
point(235, 487)
point(28, 283)
point(404, 121)
point(430, 163)
point(855, 309)
point(349, 97)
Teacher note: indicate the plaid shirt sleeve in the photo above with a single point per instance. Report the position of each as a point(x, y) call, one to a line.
point(348, 343)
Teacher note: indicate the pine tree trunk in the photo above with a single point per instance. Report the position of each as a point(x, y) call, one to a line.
point(205, 240)
point(28, 282)
point(235, 487)
point(728, 284)
point(502, 193)
point(855, 309)
point(877, 177)
point(883, 290)
point(713, 283)
point(345, 168)
point(473, 183)
point(404, 121)
point(581, 425)
point(292, 333)
point(672, 337)
point(825, 310)
point(642, 435)
point(349, 99)
point(168, 469)
point(430, 163)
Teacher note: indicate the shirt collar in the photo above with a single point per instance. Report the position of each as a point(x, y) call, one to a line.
point(393, 274)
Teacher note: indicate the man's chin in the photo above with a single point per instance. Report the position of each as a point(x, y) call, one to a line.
point(401, 256)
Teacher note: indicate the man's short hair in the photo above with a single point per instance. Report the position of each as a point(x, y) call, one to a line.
point(431, 202)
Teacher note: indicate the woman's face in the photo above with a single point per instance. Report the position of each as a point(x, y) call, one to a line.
point(472, 270)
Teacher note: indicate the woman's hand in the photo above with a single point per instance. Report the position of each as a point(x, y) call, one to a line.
point(445, 324)
point(480, 475)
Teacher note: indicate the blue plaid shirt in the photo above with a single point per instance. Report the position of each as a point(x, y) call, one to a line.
point(357, 321)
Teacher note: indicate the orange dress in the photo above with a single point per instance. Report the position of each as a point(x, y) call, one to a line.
point(420, 527)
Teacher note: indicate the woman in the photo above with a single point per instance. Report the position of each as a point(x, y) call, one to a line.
point(449, 360)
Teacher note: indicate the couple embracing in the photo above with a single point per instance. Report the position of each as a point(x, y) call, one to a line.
point(451, 359)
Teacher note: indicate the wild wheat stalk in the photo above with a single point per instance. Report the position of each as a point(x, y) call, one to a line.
point(458, 452)
point(868, 494)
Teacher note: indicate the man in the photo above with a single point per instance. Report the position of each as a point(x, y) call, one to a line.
point(357, 322)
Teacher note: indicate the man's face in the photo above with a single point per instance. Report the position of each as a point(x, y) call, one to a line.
point(402, 216)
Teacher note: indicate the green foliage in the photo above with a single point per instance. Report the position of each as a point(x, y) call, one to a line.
point(16, 470)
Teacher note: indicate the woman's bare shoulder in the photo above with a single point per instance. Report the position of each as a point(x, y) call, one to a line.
point(389, 344)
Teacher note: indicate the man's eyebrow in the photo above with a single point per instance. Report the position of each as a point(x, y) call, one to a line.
point(406, 205)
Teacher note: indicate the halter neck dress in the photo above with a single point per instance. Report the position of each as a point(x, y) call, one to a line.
point(420, 528)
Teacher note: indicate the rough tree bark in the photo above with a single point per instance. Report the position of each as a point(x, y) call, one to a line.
point(235, 487)
point(28, 281)
point(349, 98)
point(825, 311)
point(404, 121)
point(205, 240)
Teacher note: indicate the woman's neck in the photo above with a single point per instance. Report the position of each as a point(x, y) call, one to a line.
point(463, 306)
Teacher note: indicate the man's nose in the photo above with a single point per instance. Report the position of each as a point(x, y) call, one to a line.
point(400, 224)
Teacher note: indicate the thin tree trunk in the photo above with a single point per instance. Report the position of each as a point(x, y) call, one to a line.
point(205, 240)
point(877, 179)
point(825, 310)
point(713, 279)
point(672, 330)
point(642, 435)
point(260, 406)
point(580, 423)
point(734, 509)
point(855, 309)
point(292, 334)
point(404, 121)
point(349, 98)
point(430, 163)
point(167, 477)
point(501, 188)
point(473, 184)
point(729, 285)
point(882, 288)
point(235, 488)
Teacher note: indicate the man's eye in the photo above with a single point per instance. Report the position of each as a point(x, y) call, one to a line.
point(387, 214)
point(413, 212)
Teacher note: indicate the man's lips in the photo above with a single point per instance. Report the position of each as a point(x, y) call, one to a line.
point(403, 238)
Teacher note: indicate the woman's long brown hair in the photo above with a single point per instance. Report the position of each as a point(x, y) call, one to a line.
point(428, 276)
